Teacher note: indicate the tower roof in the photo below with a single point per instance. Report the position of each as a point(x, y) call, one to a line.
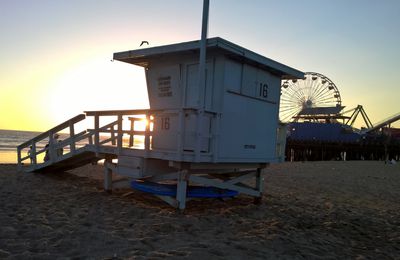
point(141, 57)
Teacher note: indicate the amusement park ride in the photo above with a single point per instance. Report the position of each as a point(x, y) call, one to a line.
point(315, 98)
point(319, 129)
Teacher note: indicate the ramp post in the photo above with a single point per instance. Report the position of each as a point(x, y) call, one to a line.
point(259, 185)
point(107, 176)
point(96, 132)
point(181, 187)
point(72, 135)
point(259, 180)
point(19, 156)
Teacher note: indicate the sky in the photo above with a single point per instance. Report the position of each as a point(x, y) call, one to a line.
point(56, 55)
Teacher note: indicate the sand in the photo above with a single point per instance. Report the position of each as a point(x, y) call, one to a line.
point(330, 210)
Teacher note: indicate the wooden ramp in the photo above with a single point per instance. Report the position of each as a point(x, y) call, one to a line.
point(68, 162)
point(72, 152)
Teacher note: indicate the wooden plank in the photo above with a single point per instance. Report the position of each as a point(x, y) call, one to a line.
point(109, 164)
point(260, 181)
point(107, 175)
point(135, 132)
point(120, 134)
point(129, 172)
point(181, 187)
point(96, 131)
point(227, 166)
point(32, 154)
point(72, 134)
point(56, 129)
point(242, 178)
point(120, 112)
point(71, 140)
point(165, 177)
point(131, 135)
point(113, 135)
point(139, 112)
point(131, 161)
point(109, 125)
point(215, 129)
point(19, 158)
point(180, 135)
point(223, 185)
point(147, 135)
point(69, 161)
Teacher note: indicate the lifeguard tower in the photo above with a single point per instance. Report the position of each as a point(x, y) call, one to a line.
point(220, 134)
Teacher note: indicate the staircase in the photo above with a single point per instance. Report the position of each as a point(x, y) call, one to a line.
point(104, 141)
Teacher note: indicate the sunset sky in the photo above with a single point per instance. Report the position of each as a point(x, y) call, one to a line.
point(55, 55)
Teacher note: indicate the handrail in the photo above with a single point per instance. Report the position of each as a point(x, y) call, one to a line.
point(120, 112)
point(112, 134)
point(104, 128)
point(33, 153)
point(67, 141)
point(138, 112)
point(56, 129)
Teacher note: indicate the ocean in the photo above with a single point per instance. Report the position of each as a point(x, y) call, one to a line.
point(10, 139)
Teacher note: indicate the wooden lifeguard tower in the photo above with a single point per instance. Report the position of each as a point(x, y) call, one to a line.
point(219, 134)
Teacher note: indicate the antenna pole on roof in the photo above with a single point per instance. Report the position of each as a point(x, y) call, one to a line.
point(203, 47)
point(202, 80)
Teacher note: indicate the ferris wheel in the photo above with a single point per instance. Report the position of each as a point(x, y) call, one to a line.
point(299, 95)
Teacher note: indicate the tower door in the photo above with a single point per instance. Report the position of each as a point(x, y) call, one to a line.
point(193, 97)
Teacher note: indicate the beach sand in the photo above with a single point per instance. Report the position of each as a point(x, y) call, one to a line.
point(309, 210)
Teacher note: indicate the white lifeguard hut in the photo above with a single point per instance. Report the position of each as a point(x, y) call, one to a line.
point(232, 119)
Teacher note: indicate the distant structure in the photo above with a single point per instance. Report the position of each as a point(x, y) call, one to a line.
point(216, 135)
point(308, 141)
point(319, 129)
point(314, 98)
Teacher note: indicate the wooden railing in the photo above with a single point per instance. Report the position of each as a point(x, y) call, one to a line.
point(31, 147)
point(113, 133)
point(108, 134)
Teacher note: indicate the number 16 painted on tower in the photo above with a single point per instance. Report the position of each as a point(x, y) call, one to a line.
point(263, 90)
